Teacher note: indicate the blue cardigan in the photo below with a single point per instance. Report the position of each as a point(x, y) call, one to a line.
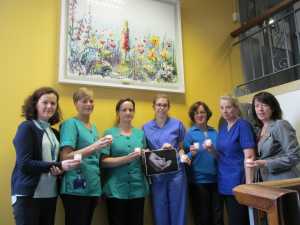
point(29, 165)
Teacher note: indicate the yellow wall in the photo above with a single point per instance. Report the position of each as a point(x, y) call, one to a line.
point(29, 37)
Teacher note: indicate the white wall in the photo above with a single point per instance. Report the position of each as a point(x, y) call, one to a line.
point(290, 104)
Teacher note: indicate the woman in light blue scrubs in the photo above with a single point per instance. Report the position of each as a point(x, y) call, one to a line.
point(168, 191)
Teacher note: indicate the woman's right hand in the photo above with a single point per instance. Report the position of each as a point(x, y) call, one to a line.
point(102, 143)
point(167, 146)
point(70, 164)
point(193, 150)
point(134, 155)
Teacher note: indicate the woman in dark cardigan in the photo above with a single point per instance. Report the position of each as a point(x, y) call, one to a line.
point(34, 178)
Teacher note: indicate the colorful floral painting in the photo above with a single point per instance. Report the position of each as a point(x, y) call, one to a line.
point(105, 44)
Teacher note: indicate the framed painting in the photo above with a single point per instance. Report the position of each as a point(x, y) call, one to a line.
point(122, 43)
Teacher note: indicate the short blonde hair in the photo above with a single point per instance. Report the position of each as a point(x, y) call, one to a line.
point(233, 101)
point(81, 93)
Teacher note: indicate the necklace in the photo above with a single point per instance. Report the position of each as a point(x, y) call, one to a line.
point(263, 132)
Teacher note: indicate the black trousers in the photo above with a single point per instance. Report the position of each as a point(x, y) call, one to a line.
point(79, 210)
point(34, 211)
point(237, 213)
point(206, 204)
point(125, 211)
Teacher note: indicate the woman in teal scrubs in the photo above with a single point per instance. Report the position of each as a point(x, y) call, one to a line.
point(81, 188)
point(126, 185)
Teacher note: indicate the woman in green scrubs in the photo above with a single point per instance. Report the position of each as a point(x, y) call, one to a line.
point(81, 188)
point(126, 185)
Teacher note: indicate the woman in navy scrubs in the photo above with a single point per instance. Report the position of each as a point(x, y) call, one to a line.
point(235, 144)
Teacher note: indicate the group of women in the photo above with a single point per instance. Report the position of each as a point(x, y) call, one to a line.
point(215, 161)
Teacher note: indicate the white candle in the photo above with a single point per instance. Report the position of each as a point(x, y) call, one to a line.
point(183, 158)
point(208, 142)
point(137, 149)
point(77, 156)
point(109, 136)
point(196, 145)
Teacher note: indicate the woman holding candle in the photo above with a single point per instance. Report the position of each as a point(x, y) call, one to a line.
point(278, 147)
point(235, 144)
point(34, 178)
point(206, 202)
point(81, 188)
point(126, 185)
point(169, 191)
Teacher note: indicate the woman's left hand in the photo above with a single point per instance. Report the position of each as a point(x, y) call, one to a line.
point(55, 171)
point(255, 163)
point(260, 163)
point(185, 159)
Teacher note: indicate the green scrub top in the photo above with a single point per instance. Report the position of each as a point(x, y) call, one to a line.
point(127, 181)
point(84, 181)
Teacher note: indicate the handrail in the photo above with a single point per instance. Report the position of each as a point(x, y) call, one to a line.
point(265, 26)
point(266, 196)
point(259, 19)
point(287, 183)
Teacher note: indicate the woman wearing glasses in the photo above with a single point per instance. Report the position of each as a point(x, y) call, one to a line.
point(168, 190)
point(278, 147)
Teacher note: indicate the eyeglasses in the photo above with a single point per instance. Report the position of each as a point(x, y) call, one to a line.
point(161, 105)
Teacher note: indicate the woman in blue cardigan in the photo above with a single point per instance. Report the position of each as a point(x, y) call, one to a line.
point(34, 178)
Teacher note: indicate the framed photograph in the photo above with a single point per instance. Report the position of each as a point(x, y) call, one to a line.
point(122, 43)
point(160, 161)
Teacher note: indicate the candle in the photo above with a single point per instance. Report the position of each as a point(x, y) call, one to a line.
point(183, 158)
point(109, 136)
point(77, 156)
point(196, 145)
point(208, 142)
point(137, 149)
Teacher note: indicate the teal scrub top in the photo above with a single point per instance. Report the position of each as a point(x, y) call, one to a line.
point(126, 181)
point(84, 181)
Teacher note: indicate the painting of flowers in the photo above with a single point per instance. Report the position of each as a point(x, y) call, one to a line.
point(122, 43)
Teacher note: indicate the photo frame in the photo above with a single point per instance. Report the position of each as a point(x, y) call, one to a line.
point(160, 161)
point(133, 44)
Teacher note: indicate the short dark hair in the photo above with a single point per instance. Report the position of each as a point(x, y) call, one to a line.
point(194, 107)
point(270, 100)
point(29, 110)
point(121, 101)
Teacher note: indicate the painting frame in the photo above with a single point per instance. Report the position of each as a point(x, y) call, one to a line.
point(153, 61)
